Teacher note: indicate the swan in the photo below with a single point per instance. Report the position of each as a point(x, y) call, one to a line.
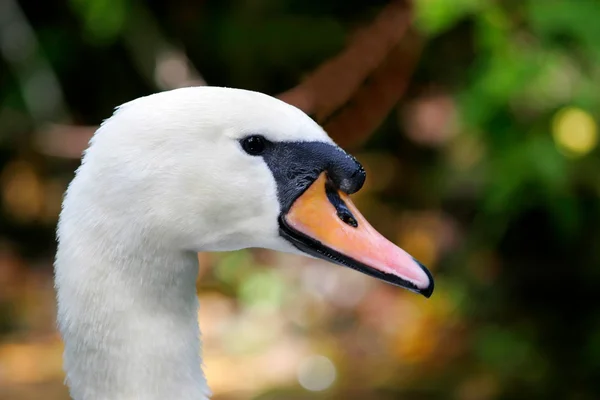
point(189, 170)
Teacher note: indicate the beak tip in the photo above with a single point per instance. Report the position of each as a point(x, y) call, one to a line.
point(427, 291)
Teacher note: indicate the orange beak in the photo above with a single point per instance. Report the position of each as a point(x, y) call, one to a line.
point(324, 223)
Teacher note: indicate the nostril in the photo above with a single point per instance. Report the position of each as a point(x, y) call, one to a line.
point(347, 217)
point(342, 211)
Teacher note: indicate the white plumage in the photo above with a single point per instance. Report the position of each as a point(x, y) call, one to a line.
point(162, 179)
point(175, 173)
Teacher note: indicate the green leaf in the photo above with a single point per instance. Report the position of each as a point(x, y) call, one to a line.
point(509, 352)
point(263, 290)
point(103, 20)
point(435, 16)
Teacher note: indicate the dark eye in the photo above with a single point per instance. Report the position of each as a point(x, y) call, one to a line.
point(254, 145)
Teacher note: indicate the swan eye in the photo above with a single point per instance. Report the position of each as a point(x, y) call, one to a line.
point(254, 145)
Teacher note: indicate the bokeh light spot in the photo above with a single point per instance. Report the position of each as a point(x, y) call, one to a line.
point(22, 191)
point(316, 373)
point(575, 132)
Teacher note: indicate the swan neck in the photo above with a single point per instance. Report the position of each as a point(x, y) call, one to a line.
point(127, 312)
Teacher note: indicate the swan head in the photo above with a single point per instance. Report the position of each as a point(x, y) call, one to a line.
point(213, 169)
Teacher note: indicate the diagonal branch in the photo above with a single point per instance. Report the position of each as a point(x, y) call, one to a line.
point(352, 125)
point(331, 85)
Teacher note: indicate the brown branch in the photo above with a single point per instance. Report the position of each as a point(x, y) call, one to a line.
point(331, 85)
point(66, 141)
point(352, 125)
